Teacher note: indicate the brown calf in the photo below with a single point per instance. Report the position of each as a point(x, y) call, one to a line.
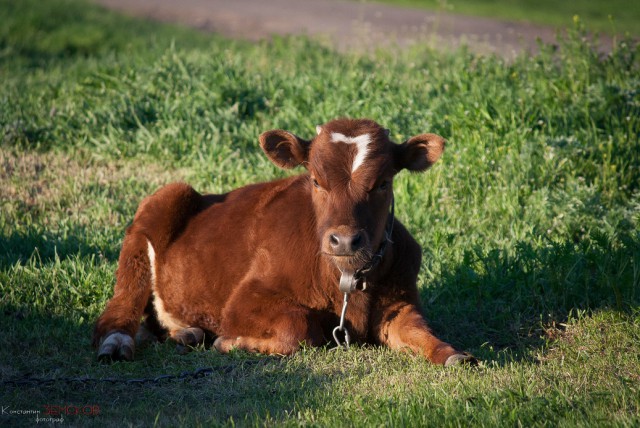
point(260, 267)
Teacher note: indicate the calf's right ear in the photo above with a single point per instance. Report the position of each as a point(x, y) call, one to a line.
point(284, 149)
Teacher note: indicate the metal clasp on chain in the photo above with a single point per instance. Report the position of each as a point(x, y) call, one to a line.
point(341, 327)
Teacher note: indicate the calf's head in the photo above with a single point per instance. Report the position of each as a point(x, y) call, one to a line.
point(351, 165)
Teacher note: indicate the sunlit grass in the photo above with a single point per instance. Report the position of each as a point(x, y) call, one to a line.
point(529, 224)
point(610, 17)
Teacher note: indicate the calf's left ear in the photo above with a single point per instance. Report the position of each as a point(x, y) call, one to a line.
point(420, 152)
point(284, 149)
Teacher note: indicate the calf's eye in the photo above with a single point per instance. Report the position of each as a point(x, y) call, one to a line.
point(316, 184)
point(383, 185)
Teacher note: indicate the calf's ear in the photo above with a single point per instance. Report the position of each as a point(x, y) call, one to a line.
point(284, 149)
point(420, 152)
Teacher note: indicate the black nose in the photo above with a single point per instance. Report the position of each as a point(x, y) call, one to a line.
point(345, 245)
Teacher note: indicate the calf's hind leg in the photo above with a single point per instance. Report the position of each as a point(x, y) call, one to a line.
point(118, 324)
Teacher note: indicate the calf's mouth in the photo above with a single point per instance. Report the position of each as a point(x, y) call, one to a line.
point(351, 262)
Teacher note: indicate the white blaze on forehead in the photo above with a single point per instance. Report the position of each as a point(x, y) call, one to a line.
point(362, 143)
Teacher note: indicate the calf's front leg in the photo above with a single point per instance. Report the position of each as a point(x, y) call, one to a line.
point(258, 319)
point(402, 326)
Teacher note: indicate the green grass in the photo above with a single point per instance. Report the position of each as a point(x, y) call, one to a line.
point(611, 17)
point(529, 224)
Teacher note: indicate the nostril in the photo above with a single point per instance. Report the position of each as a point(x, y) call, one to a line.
point(356, 240)
point(334, 240)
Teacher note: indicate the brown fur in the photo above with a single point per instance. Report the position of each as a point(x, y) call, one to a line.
point(258, 267)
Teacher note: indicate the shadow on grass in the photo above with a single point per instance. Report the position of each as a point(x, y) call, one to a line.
point(19, 247)
point(56, 347)
point(506, 305)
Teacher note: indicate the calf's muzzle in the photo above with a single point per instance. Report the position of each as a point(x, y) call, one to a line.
point(346, 244)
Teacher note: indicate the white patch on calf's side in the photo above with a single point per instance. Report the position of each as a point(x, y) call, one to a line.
point(165, 318)
point(151, 253)
point(362, 144)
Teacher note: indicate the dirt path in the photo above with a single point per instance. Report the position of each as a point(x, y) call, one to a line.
point(347, 24)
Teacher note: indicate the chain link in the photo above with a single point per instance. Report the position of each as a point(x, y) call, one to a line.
point(199, 373)
point(347, 338)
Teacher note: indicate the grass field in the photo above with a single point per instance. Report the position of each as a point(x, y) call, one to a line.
point(529, 225)
point(611, 16)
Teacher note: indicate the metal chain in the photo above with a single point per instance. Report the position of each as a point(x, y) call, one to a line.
point(341, 327)
point(27, 380)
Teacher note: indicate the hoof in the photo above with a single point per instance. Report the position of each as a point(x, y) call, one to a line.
point(191, 336)
point(116, 347)
point(461, 359)
point(224, 344)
